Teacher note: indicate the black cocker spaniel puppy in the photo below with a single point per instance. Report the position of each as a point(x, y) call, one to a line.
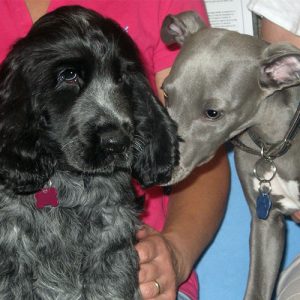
point(77, 121)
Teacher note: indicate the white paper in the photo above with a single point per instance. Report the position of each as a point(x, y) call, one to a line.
point(230, 14)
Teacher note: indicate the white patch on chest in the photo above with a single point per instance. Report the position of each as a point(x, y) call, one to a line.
point(289, 190)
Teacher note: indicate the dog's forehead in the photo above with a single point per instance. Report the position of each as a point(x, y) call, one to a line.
point(227, 42)
point(210, 54)
point(54, 42)
point(74, 28)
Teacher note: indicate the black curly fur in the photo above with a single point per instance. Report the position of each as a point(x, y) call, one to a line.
point(76, 110)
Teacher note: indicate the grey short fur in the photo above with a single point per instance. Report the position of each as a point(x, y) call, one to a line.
point(222, 84)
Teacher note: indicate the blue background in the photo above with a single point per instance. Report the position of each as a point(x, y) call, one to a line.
point(223, 269)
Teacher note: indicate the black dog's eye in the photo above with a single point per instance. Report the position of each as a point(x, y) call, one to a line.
point(68, 75)
point(213, 114)
point(121, 78)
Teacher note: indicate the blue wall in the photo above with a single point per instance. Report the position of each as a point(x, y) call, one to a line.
point(223, 269)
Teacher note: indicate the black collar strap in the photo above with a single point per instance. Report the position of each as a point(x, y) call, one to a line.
point(271, 150)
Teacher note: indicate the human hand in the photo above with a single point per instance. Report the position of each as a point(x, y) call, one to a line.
point(158, 277)
point(296, 217)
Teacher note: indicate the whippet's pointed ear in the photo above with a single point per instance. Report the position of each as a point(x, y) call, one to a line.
point(176, 28)
point(280, 66)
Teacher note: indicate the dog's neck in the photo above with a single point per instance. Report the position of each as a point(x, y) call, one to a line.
point(275, 115)
point(74, 190)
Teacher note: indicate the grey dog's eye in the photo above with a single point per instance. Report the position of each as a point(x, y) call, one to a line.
point(68, 75)
point(213, 114)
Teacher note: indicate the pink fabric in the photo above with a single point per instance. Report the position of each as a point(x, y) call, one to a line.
point(142, 20)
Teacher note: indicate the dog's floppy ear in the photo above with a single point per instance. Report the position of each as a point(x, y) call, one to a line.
point(176, 28)
point(280, 67)
point(25, 161)
point(156, 142)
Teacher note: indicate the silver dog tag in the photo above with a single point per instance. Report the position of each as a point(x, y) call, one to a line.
point(263, 201)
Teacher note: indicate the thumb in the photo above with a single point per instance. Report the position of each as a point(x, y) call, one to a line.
point(144, 232)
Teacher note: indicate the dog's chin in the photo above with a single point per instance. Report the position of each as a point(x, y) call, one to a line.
point(97, 167)
point(181, 172)
point(178, 175)
point(206, 160)
point(105, 170)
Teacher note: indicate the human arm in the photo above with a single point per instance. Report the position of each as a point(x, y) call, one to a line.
point(195, 210)
point(272, 33)
point(196, 205)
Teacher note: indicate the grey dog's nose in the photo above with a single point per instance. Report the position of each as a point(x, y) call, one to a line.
point(114, 141)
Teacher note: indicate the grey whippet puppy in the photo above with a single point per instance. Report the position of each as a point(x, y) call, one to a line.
point(223, 85)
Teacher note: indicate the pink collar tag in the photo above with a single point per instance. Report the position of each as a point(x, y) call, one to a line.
point(46, 197)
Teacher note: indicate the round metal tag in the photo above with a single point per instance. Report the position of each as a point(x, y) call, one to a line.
point(263, 166)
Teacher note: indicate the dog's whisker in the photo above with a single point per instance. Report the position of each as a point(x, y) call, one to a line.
point(73, 141)
point(138, 144)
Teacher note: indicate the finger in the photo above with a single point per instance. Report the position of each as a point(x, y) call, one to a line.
point(143, 232)
point(148, 272)
point(146, 251)
point(150, 289)
point(165, 296)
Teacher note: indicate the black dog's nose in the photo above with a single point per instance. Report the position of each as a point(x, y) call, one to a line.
point(114, 141)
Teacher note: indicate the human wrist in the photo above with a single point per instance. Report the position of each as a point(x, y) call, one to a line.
point(181, 259)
